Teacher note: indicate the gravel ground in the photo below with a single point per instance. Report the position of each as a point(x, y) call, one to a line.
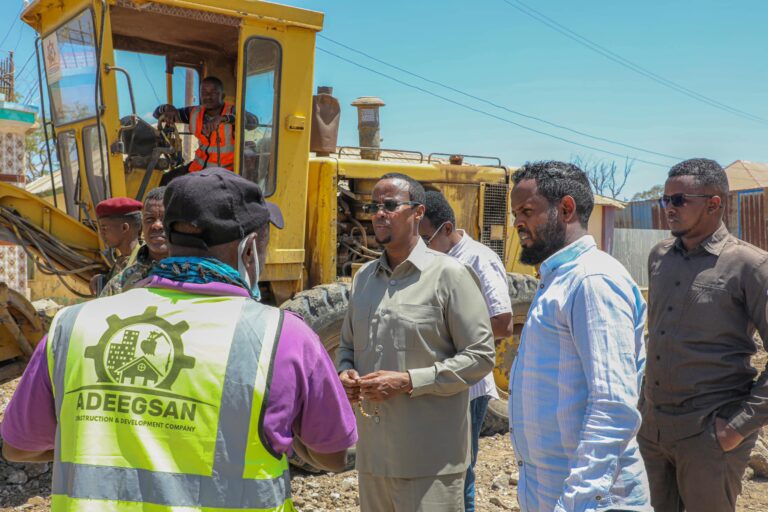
point(27, 486)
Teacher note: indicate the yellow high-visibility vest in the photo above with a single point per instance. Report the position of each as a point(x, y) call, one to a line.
point(160, 398)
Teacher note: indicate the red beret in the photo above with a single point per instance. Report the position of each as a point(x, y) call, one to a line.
point(118, 206)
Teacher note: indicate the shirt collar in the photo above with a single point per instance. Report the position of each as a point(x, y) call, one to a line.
point(566, 254)
point(714, 244)
point(461, 243)
point(213, 288)
point(142, 256)
point(419, 258)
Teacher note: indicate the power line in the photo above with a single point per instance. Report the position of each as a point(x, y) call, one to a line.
point(29, 59)
point(18, 39)
point(12, 25)
point(502, 107)
point(488, 114)
point(622, 61)
point(146, 75)
point(30, 94)
point(26, 77)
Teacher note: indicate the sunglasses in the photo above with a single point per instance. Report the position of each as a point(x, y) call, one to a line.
point(388, 206)
point(428, 239)
point(678, 200)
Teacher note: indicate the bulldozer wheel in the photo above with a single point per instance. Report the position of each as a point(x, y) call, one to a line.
point(21, 329)
point(323, 309)
point(522, 288)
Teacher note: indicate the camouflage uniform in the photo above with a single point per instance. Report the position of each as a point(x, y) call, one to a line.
point(132, 274)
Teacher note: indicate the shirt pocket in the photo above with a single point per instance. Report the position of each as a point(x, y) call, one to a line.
point(704, 306)
point(417, 324)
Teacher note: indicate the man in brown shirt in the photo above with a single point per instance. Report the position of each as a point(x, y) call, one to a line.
point(701, 404)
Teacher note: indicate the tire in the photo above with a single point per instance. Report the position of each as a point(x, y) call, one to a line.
point(522, 288)
point(323, 309)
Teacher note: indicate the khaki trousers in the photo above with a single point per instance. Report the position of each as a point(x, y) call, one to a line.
point(443, 493)
point(694, 473)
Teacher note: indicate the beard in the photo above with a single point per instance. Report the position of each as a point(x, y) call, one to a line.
point(383, 241)
point(549, 239)
point(677, 233)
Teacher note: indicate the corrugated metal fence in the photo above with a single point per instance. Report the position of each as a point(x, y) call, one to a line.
point(745, 216)
point(632, 247)
point(641, 215)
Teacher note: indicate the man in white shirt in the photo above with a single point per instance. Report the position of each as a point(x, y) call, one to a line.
point(438, 230)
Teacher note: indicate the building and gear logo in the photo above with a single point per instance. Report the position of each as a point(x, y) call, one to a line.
point(142, 350)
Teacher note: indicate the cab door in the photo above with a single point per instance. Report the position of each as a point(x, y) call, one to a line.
point(75, 52)
point(274, 100)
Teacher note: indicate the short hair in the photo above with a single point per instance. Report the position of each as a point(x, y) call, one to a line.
point(555, 180)
point(437, 209)
point(415, 189)
point(706, 173)
point(132, 219)
point(156, 194)
point(215, 81)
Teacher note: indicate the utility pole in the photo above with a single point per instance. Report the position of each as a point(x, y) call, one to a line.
point(7, 79)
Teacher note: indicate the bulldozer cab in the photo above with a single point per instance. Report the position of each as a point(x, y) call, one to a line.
point(107, 64)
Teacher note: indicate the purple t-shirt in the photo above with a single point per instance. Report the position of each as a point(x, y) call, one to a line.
point(305, 394)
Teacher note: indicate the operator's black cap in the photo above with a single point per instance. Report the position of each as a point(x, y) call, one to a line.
point(227, 207)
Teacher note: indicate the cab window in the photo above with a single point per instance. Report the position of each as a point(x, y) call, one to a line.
point(70, 69)
point(98, 176)
point(259, 111)
point(70, 171)
point(147, 72)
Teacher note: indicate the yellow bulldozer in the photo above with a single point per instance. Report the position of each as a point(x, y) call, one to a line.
point(264, 55)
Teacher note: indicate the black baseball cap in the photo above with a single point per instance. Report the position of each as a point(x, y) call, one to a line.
point(226, 206)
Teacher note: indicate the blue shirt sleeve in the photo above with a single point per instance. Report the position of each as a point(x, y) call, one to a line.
point(604, 319)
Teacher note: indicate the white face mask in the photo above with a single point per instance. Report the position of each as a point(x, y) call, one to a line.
point(243, 271)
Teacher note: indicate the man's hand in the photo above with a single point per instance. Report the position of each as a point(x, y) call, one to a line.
point(351, 382)
point(728, 438)
point(12, 454)
point(212, 124)
point(171, 115)
point(383, 385)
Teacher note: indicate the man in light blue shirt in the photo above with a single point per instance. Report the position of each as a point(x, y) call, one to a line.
point(576, 380)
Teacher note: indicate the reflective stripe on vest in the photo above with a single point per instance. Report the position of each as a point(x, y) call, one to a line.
point(150, 418)
point(216, 150)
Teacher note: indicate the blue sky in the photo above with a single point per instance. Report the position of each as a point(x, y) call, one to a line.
point(495, 52)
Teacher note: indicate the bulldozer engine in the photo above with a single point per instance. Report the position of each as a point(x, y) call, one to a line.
point(357, 244)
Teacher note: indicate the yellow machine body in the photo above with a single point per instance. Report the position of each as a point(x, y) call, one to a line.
point(264, 55)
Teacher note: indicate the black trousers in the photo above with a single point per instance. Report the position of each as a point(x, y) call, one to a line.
point(694, 473)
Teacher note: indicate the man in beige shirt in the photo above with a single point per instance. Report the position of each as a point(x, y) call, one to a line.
point(416, 337)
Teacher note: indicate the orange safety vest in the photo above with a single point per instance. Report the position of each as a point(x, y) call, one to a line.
point(218, 148)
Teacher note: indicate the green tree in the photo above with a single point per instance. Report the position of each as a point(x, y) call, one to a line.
point(37, 155)
point(652, 193)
